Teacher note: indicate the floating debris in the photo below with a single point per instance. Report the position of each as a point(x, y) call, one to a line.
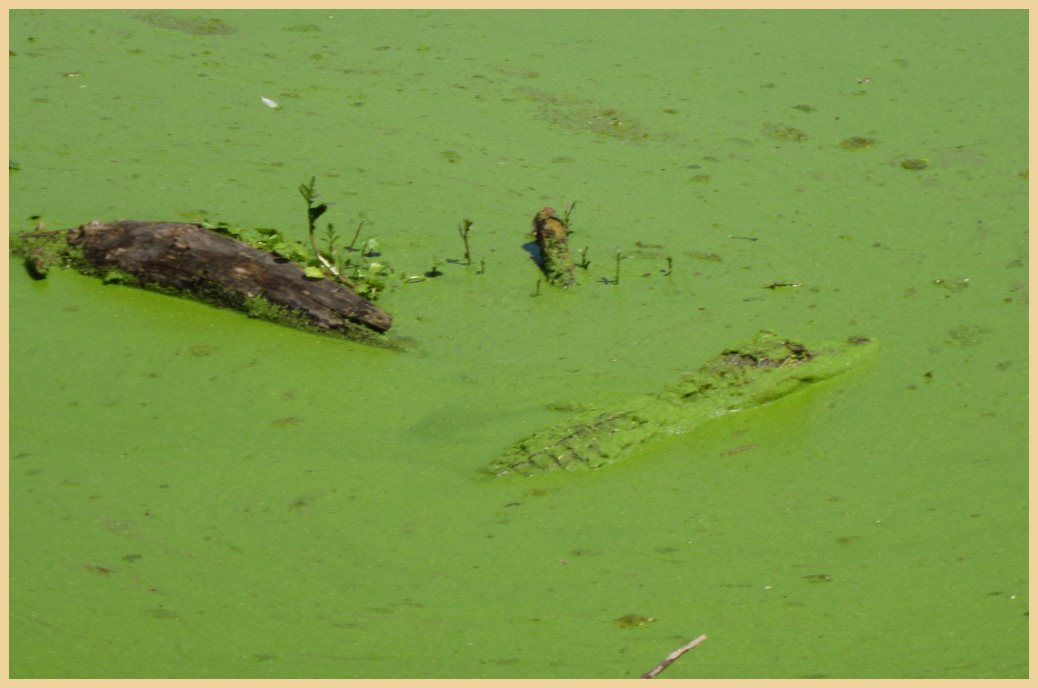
point(551, 235)
point(857, 143)
point(915, 164)
point(818, 578)
point(703, 255)
point(783, 132)
point(953, 285)
point(198, 26)
point(633, 620)
point(587, 115)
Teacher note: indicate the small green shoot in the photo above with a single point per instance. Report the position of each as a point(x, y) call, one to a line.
point(566, 215)
point(330, 237)
point(313, 213)
point(309, 194)
point(584, 262)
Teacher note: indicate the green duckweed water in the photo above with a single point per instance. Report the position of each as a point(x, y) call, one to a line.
point(196, 494)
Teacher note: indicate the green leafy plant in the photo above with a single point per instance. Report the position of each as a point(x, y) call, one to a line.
point(566, 216)
point(358, 266)
point(313, 213)
point(265, 239)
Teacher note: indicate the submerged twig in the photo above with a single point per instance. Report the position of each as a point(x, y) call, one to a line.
point(584, 262)
point(356, 235)
point(463, 230)
point(671, 658)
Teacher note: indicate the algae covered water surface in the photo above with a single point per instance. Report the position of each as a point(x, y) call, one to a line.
point(196, 494)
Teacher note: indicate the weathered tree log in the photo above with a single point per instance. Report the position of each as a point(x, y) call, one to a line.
point(552, 239)
point(190, 260)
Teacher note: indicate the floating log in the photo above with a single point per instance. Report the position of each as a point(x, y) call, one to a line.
point(190, 260)
point(765, 368)
point(552, 238)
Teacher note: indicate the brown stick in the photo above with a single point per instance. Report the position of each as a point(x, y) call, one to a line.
point(655, 671)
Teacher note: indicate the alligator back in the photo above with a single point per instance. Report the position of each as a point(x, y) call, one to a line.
point(765, 368)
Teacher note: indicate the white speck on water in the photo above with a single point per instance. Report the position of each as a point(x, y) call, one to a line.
point(269, 103)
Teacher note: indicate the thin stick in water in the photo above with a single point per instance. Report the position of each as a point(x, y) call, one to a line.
point(655, 671)
point(463, 230)
point(356, 235)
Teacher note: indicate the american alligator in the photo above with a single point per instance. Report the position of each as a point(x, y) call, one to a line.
point(765, 368)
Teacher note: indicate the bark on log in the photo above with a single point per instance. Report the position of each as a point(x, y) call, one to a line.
point(189, 259)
